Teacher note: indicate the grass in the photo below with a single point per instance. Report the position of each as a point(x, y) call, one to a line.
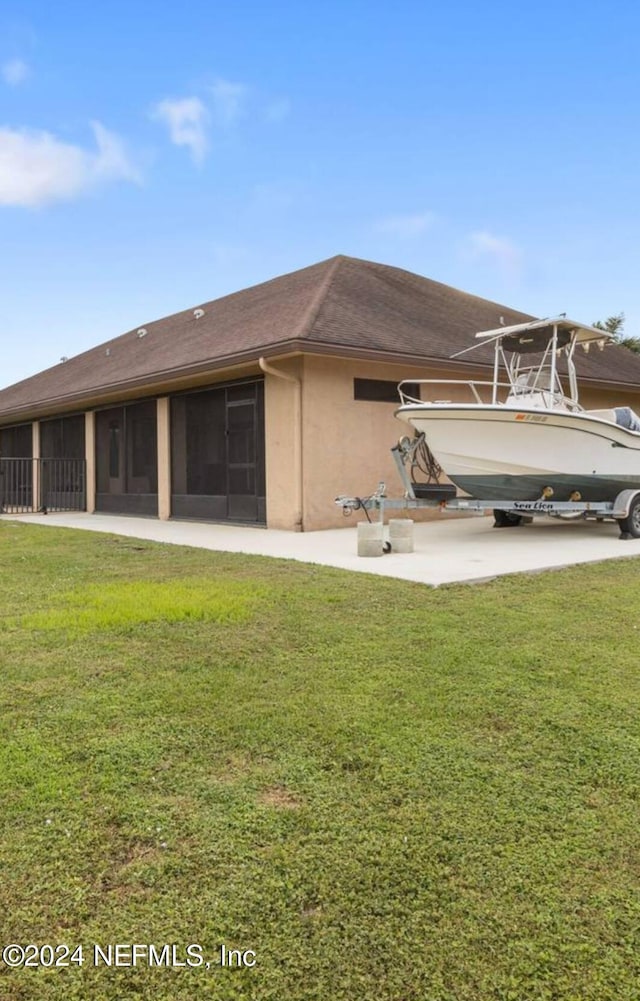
point(387, 792)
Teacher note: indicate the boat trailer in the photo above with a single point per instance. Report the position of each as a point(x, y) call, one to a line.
point(625, 509)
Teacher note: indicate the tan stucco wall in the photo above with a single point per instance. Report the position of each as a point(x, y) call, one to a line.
point(593, 399)
point(284, 467)
point(35, 452)
point(346, 442)
point(90, 456)
point(164, 458)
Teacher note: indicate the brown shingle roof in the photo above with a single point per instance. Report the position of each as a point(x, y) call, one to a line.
point(344, 303)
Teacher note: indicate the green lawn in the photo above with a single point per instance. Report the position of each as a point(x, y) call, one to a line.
point(385, 791)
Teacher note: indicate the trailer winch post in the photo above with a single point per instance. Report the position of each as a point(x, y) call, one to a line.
point(401, 452)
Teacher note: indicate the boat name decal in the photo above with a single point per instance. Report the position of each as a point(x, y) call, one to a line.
point(532, 506)
point(538, 418)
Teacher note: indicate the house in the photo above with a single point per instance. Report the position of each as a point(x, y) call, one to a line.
point(262, 406)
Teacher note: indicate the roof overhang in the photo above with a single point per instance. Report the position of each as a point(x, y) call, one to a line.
point(246, 363)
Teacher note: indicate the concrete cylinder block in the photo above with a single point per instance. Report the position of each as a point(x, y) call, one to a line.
point(370, 539)
point(401, 535)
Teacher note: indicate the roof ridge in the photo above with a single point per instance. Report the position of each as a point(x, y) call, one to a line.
point(381, 266)
point(311, 314)
point(205, 304)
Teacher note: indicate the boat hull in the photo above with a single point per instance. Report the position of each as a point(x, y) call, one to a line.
point(502, 453)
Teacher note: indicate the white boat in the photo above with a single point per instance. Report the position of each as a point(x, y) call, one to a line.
point(527, 437)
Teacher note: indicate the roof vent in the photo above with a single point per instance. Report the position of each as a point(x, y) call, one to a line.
point(108, 352)
point(142, 332)
point(198, 313)
point(64, 358)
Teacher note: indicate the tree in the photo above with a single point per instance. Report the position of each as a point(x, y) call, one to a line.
point(614, 325)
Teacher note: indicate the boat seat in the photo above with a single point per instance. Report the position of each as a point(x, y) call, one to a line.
point(604, 415)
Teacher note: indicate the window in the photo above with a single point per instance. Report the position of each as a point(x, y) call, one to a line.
point(380, 391)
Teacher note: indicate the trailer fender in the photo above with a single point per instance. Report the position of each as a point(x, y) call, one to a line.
point(629, 524)
point(623, 502)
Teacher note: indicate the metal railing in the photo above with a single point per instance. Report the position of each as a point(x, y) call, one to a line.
point(468, 384)
point(28, 485)
point(16, 485)
point(484, 392)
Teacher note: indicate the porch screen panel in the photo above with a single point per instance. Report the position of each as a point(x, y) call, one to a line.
point(109, 437)
point(198, 449)
point(217, 447)
point(16, 442)
point(62, 438)
point(241, 453)
point(63, 467)
point(127, 459)
point(141, 438)
point(16, 471)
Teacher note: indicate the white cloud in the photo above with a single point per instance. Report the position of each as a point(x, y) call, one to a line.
point(277, 111)
point(406, 226)
point(15, 72)
point(36, 167)
point(228, 99)
point(483, 244)
point(187, 119)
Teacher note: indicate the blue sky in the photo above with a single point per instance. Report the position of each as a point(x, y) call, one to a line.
point(155, 156)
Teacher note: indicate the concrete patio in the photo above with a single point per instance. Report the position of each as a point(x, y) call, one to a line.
point(460, 549)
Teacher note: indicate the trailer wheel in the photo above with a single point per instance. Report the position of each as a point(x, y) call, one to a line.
point(505, 519)
point(630, 526)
